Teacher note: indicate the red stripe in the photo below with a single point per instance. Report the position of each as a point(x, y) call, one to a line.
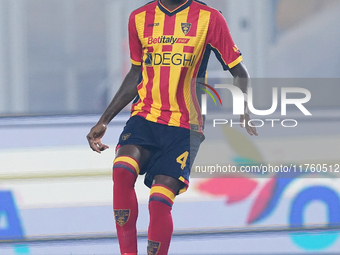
point(188, 49)
point(193, 16)
point(133, 107)
point(148, 100)
point(186, 182)
point(183, 40)
point(150, 49)
point(118, 146)
point(184, 120)
point(167, 48)
point(148, 25)
point(169, 28)
point(164, 118)
point(126, 164)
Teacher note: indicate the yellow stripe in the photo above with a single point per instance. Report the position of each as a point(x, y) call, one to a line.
point(174, 76)
point(129, 160)
point(140, 21)
point(135, 63)
point(158, 30)
point(181, 178)
point(202, 28)
point(156, 94)
point(235, 62)
point(174, 108)
point(164, 191)
point(185, 188)
point(181, 17)
point(135, 112)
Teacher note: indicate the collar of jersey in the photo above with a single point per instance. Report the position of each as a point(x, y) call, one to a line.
point(175, 11)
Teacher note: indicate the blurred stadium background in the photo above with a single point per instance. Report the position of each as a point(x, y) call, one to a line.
point(61, 62)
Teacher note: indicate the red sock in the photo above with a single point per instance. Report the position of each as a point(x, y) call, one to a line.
point(161, 225)
point(125, 172)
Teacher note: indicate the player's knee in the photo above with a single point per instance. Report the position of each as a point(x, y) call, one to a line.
point(173, 184)
point(124, 166)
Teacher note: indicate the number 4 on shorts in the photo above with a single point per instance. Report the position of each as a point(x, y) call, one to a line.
point(182, 159)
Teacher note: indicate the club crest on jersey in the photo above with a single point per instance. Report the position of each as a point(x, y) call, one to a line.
point(186, 27)
point(153, 247)
point(122, 216)
point(126, 136)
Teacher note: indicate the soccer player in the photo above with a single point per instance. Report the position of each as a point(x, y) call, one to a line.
point(170, 43)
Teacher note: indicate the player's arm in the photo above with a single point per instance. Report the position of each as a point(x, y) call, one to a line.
point(125, 94)
point(230, 57)
point(241, 80)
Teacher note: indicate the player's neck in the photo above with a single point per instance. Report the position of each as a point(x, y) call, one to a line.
point(172, 4)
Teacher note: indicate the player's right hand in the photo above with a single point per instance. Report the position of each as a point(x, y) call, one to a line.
point(94, 137)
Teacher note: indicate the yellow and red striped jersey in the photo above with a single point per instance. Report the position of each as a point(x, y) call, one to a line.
point(173, 48)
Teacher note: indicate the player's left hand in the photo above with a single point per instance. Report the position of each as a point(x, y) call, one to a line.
point(94, 138)
point(246, 119)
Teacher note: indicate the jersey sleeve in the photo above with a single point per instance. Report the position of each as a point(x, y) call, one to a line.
point(221, 42)
point(134, 43)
